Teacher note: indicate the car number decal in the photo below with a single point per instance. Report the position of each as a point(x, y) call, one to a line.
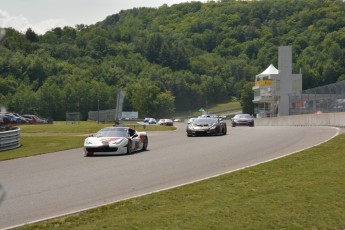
point(112, 139)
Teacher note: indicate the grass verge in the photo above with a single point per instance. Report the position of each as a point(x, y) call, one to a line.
point(84, 127)
point(302, 191)
point(224, 108)
point(35, 145)
point(61, 136)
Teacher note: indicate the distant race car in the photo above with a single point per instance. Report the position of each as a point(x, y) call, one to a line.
point(242, 119)
point(152, 121)
point(206, 126)
point(167, 122)
point(114, 141)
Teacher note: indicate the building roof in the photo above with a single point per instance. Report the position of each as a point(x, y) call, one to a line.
point(270, 70)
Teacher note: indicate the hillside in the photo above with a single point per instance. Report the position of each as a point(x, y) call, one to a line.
point(169, 59)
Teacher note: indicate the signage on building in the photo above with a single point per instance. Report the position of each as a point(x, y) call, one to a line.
point(264, 82)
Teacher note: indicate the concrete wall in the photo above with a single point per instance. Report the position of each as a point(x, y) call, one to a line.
point(324, 119)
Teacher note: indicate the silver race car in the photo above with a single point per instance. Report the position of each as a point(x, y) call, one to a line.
point(115, 140)
point(242, 119)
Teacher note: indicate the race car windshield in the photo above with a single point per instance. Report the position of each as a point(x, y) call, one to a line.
point(110, 132)
point(205, 121)
point(243, 116)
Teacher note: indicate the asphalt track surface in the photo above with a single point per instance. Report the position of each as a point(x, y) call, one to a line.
point(60, 183)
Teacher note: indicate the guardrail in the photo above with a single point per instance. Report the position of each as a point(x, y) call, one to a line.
point(9, 138)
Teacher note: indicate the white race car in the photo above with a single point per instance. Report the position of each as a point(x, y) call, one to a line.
point(115, 140)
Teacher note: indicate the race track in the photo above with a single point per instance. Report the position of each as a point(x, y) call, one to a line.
point(54, 184)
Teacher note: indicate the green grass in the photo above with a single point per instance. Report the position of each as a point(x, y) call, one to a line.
point(83, 127)
point(35, 145)
point(61, 127)
point(305, 190)
point(47, 138)
point(224, 108)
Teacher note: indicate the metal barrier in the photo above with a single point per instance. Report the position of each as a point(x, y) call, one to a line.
point(9, 138)
point(326, 99)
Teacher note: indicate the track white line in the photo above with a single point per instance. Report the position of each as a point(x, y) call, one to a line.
point(172, 187)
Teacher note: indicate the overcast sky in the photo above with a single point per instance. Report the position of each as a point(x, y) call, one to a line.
point(43, 15)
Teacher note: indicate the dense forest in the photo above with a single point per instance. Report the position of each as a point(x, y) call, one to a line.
point(172, 58)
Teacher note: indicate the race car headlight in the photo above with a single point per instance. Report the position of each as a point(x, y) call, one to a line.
point(87, 142)
point(191, 127)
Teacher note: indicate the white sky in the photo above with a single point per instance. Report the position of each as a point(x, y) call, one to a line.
point(43, 15)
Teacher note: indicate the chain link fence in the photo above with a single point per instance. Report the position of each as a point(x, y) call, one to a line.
point(102, 115)
point(324, 99)
point(72, 118)
point(111, 115)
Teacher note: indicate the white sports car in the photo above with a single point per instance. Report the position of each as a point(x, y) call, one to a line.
point(115, 140)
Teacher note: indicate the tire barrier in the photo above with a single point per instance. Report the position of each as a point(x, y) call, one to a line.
point(9, 138)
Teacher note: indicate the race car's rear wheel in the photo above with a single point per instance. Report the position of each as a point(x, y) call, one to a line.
point(146, 142)
point(129, 147)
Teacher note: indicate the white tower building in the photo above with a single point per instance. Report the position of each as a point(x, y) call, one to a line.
point(273, 86)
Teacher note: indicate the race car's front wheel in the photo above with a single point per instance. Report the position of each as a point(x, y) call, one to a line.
point(129, 147)
point(146, 142)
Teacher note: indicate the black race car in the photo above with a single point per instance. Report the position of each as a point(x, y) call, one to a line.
point(206, 126)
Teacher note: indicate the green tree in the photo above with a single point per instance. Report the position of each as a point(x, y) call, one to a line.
point(24, 100)
point(149, 101)
point(199, 52)
point(247, 97)
point(165, 106)
point(31, 35)
point(153, 48)
point(8, 86)
point(50, 99)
